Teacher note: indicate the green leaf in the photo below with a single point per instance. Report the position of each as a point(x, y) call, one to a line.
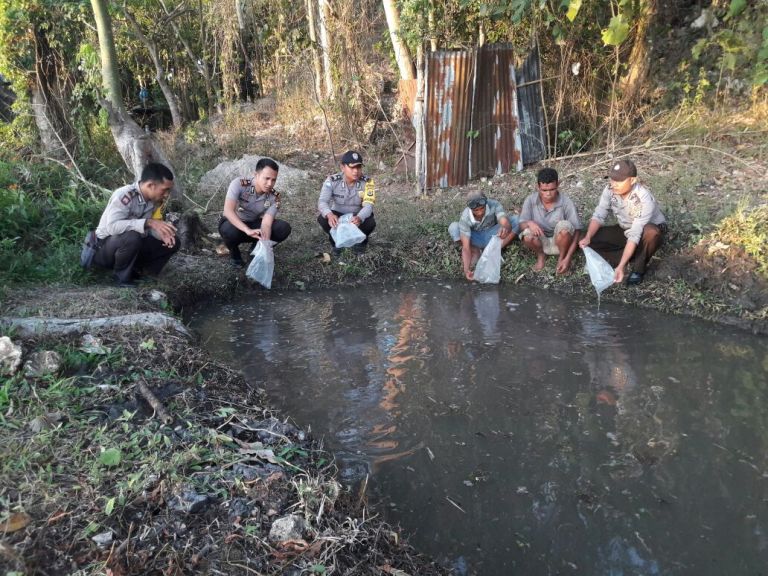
point(760, 78)
point(573, 9)
point(729, 61)
point(318, 569)
point(110, 457)
point(148, 344)
point(698, 48)
point(736, 8)
point(617, 31)
point(109, 507)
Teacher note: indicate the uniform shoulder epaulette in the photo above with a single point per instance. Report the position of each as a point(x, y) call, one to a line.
point(276, 194)
point(129, 195)
point(245, 182)
point(336, 177)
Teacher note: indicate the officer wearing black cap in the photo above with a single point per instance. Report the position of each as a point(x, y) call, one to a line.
point(348, 192)
point(641, 224)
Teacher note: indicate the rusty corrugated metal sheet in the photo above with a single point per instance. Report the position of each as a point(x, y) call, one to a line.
point(533, 125)
point(471, 115)
point(496, 147)
point(448, 114)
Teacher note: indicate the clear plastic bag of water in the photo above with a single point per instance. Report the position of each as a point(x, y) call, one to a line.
point(600, 272)
point(488, 269)
point(262, 266)
point(346, 234)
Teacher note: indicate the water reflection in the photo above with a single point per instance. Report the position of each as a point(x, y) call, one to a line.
point(514, 431)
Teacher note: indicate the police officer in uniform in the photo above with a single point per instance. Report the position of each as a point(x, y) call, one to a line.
point(641, 224)
point(348, 192)
point(250, 210)
point(132, 234)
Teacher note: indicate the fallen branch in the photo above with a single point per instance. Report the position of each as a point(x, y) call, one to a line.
point(31, 326)
point(155, 402)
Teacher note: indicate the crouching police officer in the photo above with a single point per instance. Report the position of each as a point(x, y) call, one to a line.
point(348, 192)
point(131, 232)
point(250, 210)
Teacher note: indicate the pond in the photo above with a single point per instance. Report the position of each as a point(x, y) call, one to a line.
point(514, 431)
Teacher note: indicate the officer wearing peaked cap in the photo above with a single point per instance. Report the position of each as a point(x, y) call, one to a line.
point(348, 192)
point(641, 225)
point(131, 231)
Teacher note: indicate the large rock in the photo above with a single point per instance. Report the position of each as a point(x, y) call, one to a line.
point(42, 363)
point(218, 179)
point(288, 528)
point(10, 356)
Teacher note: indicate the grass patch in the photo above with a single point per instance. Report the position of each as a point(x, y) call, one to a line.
point(747, 228)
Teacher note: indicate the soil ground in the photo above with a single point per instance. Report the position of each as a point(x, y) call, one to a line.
point(202, 492)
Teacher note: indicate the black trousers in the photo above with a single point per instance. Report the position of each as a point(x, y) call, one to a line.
point(609, 242)
point(233, 237)
point(129, 251)
point(366, 226)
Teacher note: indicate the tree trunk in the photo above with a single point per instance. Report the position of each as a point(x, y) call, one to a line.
point(325, 42)
point(109, 64)
point(317, 64)
point(50, 96)
point(431, 27)
point(151, 47)
point(633, 82)
point(418, 122)
point(402, 55)
point(136, 147)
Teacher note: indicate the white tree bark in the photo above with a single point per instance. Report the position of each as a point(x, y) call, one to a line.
point(316, 62)
point(325, 43)
point(418, 122)
point(402, 54)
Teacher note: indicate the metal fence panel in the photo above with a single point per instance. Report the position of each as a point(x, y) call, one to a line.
point(449, 92)
point(471, 122)
point(533, 126)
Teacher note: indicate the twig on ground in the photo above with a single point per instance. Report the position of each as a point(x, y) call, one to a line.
point(156, 404)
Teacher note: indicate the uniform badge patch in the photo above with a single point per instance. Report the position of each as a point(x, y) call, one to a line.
point(125, 199)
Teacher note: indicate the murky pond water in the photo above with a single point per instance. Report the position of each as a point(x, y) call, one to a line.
point(515, 432)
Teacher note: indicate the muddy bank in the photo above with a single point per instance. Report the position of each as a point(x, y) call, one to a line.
point(136, 453)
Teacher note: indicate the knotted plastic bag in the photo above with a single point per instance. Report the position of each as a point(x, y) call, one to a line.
point(600, 272)
point(262, 266)
point(346, 234)
point(488, 269)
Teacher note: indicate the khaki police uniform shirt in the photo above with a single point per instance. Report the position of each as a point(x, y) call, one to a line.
point(493, 213)
point(250, 204)
point(127, 210)
point(632, 211)
point(563, 209)
point(357, 198)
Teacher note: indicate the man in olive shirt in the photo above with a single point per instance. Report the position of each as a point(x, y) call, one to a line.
point(549, 222)
point(641, 225)
point(482, 219)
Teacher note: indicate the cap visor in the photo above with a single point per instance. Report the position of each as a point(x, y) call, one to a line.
point(353, 164)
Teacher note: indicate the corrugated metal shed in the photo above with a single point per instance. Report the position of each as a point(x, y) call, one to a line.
point(449, 79)
point(533, 126)
point(495, 148)
point(471, 118)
